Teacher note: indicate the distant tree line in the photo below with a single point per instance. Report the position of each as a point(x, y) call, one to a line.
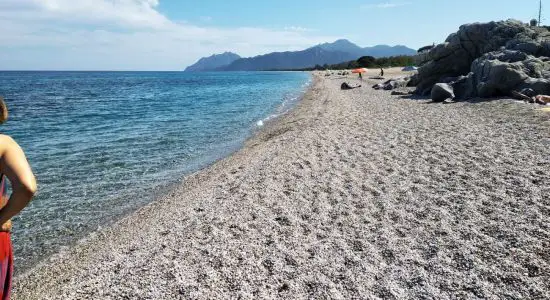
point(368, 62)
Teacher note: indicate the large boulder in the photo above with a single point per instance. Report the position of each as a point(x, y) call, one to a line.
point(442, 92)
point(497, 73)
point(535, 86)
point(464, 87)
point(396, 83)
point(455, 56)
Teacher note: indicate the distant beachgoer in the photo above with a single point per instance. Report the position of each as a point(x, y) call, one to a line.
point(381, 72)
point(14, 167)
point(360, 76)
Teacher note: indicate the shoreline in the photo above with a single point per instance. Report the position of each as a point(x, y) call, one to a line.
point(257, 133)
point(164, 189)
point(350, 194)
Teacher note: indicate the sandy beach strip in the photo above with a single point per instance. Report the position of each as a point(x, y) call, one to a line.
point(352, 195)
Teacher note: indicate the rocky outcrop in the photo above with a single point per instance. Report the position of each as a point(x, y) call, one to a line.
point(488, 59)
point(499, 73)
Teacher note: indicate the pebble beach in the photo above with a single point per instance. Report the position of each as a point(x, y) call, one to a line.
point(354, 194)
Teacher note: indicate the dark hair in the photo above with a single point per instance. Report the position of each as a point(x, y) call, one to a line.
point(3, 111)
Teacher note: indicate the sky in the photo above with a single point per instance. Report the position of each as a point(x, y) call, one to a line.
point(171, 34)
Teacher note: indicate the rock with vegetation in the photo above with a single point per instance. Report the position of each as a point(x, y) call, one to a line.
point(492, 58)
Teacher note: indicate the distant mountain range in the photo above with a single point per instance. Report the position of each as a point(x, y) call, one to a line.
point(328, 53)
point(375, 51)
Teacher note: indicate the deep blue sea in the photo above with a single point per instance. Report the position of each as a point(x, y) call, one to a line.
point(102, 144)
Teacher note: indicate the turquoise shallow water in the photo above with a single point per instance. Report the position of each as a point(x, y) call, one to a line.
point(103, 143)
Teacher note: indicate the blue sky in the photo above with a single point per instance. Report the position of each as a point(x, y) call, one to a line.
point(171, 34)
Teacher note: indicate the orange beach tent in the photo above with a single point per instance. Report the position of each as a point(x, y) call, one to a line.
point(360, 70)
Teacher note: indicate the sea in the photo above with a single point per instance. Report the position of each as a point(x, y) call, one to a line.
point(103, 144)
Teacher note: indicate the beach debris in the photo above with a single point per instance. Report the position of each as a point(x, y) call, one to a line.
point(347, 86)
point(442, 92)
point(487, 60)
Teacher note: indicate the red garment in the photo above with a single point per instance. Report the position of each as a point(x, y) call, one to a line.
point(6, 253)
point(6, 265)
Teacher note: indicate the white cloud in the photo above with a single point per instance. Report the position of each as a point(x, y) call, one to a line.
point(137, 13)
point(384, 5)
point(297, 28)
point(123, 34)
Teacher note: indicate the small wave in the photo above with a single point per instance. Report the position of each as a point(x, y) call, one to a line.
point(261, 122)
point(287, 104)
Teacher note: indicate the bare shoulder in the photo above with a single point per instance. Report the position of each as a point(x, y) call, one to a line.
point(6, 142)
point(6, 139)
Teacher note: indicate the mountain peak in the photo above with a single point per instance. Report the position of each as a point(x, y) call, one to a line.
point(343, 42)
point(226, 53)
point(342, 45)
point(387, 50)
point(213, 62)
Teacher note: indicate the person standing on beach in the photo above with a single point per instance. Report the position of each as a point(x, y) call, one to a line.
point(381, 72)
point(360, 76)
point(14, 167)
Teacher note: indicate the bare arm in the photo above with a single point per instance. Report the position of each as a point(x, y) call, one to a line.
point(15, 166)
